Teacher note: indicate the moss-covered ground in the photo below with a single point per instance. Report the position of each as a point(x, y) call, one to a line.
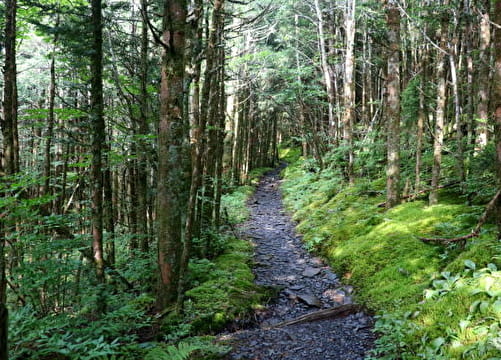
point(432, 302)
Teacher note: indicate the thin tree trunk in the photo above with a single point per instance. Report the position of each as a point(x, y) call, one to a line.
point(497, 104)
point(142, 168)
point(483, 77)
point(98, 139)
point(50, 121)
point(441, 75)
point(327, 70)
point(349, 88)
point(393, 105)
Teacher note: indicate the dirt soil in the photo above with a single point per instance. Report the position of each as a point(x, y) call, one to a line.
point(304, 285)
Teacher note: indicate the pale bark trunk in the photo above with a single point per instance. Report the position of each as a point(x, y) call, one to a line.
point(327, 71)
point(483, 77)
point(440, 115)
point(349, 88)
point(393, 106)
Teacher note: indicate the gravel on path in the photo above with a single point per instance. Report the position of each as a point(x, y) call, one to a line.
point(304, 283)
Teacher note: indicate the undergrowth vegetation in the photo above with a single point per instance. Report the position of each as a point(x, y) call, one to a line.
point(221, 290)
point(433, 301)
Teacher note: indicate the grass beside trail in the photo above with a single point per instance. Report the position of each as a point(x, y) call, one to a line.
point(433, 302)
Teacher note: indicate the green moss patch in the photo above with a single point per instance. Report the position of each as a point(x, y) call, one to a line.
point(428, 313)
point(227, 292)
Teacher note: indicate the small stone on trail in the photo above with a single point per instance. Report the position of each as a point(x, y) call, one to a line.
point(310, 300)
point(310, 272)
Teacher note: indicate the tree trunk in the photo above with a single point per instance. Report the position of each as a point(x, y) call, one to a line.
point(483, 77)
point(142, 168)
point(497, 104)
point(9, 123)
point(171, 197)
point(441, 75)
point(10, 150)
point(198, 129)
point(349, 88)
point(393, 105)
point(98, 139)
point(327, 71)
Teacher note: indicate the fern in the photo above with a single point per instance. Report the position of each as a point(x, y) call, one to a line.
point(181, 352)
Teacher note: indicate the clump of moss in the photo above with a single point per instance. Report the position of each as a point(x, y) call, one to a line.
point(228, 291)
point(379, 252)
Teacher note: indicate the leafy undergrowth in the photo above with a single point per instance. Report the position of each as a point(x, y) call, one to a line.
point(222, 290)
point(438, 302)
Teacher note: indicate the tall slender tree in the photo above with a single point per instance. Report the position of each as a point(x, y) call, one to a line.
point(171, 189)
point(393, 103)
point(10, 151)
point(98, 139)
point(497, 103)
point(440, 111)
point(349, 87)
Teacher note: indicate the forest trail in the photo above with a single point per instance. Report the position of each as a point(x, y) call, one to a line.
point(305, 285)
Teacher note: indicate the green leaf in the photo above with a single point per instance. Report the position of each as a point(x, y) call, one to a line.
point(470, 264)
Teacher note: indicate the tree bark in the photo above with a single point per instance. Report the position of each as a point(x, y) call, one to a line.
point(327, 71)
point(497, 105)
point(142, 168)
point(349, 88)
point(98, 139)
point(9, 123)
point(440, 112)
point(393, 105)
point(10, 152)
point(483, 77)
point(171, 197)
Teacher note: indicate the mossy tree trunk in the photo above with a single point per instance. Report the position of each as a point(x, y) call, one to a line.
point(171, 188)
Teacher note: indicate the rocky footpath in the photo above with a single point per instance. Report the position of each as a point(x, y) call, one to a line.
point(305, 285)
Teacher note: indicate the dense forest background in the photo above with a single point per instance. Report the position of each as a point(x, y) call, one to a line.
point(130, 127)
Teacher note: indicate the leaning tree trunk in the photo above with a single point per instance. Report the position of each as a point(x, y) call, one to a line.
point(98, 138)
point(171, 197)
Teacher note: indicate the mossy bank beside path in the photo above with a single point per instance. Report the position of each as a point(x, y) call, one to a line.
point(432, 301)
point(304, 285)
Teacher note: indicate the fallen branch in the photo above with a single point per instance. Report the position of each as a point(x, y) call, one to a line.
point(415, 195)
point(476, 231)
point(338, 311)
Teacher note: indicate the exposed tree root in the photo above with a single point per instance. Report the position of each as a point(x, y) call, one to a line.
point(338, 311)
point(491, 206)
